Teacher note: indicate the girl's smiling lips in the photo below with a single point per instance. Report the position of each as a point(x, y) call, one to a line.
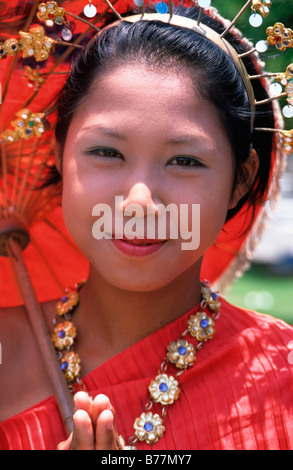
point(137, 246)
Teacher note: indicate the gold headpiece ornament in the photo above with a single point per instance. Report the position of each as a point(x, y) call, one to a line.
point(35, 43)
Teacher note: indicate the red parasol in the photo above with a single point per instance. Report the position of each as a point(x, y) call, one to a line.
point(28, 92)
point(38, 258)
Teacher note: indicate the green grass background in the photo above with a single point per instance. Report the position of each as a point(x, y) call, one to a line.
point(260, 290)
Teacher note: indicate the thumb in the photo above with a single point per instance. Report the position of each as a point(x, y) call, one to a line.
point(65, 445)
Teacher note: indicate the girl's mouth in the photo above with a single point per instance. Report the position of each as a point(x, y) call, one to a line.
point(138, 246)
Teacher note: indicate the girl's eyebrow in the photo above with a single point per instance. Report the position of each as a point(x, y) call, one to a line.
point(104, 130)
point(185, 139)
point(180, 139)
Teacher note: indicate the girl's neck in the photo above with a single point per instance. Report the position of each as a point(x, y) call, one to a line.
point(117, 318)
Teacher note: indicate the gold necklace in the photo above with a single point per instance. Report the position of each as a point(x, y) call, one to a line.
point(163, 389)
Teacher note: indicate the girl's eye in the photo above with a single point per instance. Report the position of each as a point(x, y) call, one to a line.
point(104, 152)
point(186, 161)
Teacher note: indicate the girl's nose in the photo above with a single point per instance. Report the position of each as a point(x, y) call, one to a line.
point(140, 195)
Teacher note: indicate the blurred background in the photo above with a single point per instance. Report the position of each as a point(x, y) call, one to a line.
point(268, 285)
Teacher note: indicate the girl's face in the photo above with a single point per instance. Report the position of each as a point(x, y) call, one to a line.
point(148, 137)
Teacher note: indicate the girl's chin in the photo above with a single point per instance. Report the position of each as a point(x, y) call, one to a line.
point(144, 268)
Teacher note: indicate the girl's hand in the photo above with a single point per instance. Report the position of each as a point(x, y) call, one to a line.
point(94, 426)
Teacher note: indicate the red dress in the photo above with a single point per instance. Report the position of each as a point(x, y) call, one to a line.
point(238, 394)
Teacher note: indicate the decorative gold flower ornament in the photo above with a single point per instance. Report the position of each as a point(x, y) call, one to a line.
point(279, 36)
point(51, 13)
point(211, 298)
point(33, 77)
point(181, 353)
point(262, 6)
point(35, 43)
point(26, 125)
point(201, 326)
point(149, 427)
point(9, 47)
point(287, 141)
point(63, 336)
point(286, 79)
point(70, 365)
point(164, 389)
point(67, 302)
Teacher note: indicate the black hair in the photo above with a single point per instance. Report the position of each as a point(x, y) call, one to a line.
point(162, 45)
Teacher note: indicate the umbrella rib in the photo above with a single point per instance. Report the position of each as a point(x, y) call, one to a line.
point(34, 199)
point(92, 25)
point(4, 176)
point(34, 183)
point(46, 263)
point(26, 175)
point(17, 172)
point(2, 127)
point(38, 201)
point(54, 227)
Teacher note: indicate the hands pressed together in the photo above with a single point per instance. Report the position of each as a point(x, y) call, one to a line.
point(94, 425)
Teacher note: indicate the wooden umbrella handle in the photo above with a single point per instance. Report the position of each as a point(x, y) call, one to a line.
point(42, 335)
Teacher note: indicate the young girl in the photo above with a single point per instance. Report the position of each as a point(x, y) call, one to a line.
point(159, 115)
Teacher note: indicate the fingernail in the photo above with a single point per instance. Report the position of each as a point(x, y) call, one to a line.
point(110, 424)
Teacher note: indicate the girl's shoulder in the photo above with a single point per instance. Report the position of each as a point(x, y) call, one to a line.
point(265, 336)
point(252, 318)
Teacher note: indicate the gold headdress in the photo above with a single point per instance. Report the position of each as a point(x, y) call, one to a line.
point(35, 43)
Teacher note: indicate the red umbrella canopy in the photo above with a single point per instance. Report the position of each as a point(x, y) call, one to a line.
point(35, 59)
point(34, 63)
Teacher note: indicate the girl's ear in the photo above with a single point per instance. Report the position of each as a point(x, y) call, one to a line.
point(245, 181)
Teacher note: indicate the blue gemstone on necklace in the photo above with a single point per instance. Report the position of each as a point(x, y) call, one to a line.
point(64, 365)
point(64, 298)
point(163, 387)
point(204, 323)
point(162, 8)
point(214, 296)
point(148, 426)
point(182, 350)
point(61, 334)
